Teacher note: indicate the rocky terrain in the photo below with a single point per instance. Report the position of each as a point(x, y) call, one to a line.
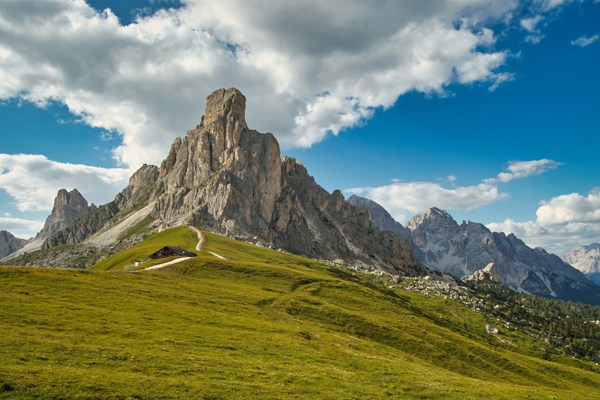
point(441, 243)
point(227, 178)
point(68, 206)
point(488, 273)
point(132, 199)
point(586, 259)
point(564, 327)
point(9, 243)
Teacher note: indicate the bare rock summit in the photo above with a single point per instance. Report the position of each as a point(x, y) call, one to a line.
point(586, 259)
point(228, 178)
point(68, 207)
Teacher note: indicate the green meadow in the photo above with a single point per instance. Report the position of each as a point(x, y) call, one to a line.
point(260, 324)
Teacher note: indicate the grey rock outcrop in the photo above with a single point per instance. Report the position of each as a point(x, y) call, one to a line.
point(439, 242)
point(227, 178)
point(462, 249)
point(232, 180)
point(68, 206)
point(9, 243)
point(586, 259)
point(488, 273)
point(134, 197)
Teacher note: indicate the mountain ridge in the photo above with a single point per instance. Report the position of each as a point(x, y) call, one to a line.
point(232, 180)
point(439, 242)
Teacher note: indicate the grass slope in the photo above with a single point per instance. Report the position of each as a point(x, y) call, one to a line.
point(178, 237)
point(259, 325)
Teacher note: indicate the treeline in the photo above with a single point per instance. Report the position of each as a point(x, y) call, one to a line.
point(572, 327)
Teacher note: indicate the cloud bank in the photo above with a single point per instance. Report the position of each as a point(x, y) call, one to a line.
point(404, 199)
point(33, 180)
point(562, 223)
point(311, 68)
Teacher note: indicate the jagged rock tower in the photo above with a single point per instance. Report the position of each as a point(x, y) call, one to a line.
point(68, 207)
point(228, 178)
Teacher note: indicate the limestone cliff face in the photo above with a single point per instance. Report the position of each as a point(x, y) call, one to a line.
point(380, 217)
point(221, 174)
point(227, 178)
point(488, 273)
point(230, 179)
point(9, 243)
point(471, 250)
point(586, 259)
point(68, 206)
point(135, 196)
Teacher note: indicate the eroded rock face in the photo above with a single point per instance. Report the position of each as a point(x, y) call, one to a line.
point(68, 206)
point(221, 174)
point(380, 217)
point(463, 249)
point(471, 250)
point(488, 273)
point(586, 259)
point(228, 178)
point(9, 243)
point(135, 196)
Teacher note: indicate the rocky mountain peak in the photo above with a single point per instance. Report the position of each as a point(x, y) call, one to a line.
point(586, 259)
point(592, 247)
point(471, 251)
point(225, 120)
point(68, 206)
point(227, 178)
point(432, 217)
point(380, 217)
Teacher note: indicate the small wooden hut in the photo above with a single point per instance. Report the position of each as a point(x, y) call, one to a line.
point(170, 251)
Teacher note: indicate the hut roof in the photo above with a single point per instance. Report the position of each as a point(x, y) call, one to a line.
point(170, 251)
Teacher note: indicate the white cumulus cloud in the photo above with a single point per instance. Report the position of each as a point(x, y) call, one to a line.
point(570, 208)
point(523, 169)
point(308, 68)
point(562, 223)
point(33, 180)
point(402, 199)
point(20, 227)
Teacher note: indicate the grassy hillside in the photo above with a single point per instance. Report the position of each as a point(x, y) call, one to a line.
point(259, 325)
point(178, 237)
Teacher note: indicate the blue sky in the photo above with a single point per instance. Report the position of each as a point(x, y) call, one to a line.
point(488, 109)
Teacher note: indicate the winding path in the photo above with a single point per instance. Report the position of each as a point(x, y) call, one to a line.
point(178, 260)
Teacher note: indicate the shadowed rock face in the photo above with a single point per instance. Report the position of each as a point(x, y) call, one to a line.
point(230, 179)
point(221, 174)
point(9, 243)
point(68, 206)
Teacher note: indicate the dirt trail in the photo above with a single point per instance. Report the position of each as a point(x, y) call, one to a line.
point(178, 260)
point(200, 237)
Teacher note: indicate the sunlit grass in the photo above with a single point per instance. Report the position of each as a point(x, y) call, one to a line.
point(259, 325)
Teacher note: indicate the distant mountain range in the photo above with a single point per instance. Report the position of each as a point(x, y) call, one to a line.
point(224, 177)
point(440, 243)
